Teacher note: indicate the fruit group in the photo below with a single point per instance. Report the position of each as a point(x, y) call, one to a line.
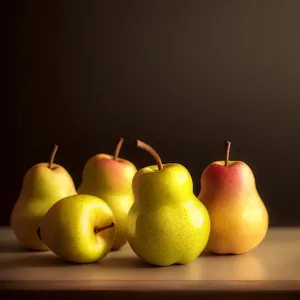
point(239, 218)
point(109, 177)
point(166, 224)
point(43, 185)
point(79, 229)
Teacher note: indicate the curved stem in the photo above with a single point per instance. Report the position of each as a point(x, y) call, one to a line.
point(98, 229)
point(149, 149)
point(52, 156)
point(118, 148)
point(227, 151)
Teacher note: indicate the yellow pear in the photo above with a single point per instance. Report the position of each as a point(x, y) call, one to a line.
point(109, 177)
point(166, 224)
point(239, 218)
point(43, 185)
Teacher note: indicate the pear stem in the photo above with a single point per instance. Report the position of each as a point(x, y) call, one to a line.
point(149, 149)
point(98, 229)
point(227, 152)
point(52, 156)
point(118, 148)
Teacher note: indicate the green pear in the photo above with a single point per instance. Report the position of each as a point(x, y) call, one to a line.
point(239, 217)
point(43, 185)
point(79, 228)
point(166, 224)
point(109, 177)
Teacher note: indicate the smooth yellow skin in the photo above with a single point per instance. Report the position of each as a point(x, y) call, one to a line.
point(166, 224)
point(41, 188)
point(239, 218)
point(68, 229)
point(111, 180)
point(120, 206)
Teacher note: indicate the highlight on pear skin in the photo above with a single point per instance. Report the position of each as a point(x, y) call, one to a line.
point(152, 211)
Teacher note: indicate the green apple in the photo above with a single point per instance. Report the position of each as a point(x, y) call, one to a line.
point(79, 228)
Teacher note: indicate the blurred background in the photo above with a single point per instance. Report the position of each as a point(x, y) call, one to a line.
point(182, 76)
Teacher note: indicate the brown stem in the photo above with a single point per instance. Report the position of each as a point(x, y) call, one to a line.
point(227, 151)
point(98, 229)
point(52, 156)
point(118, 148)
point(148, 148)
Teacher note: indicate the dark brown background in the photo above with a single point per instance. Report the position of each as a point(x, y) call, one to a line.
point(180, 75)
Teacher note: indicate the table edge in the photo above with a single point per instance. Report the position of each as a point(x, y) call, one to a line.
point(159, 285)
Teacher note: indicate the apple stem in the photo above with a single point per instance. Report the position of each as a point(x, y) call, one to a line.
point(52, 156)
point(98, 229)
point(148, 148)
point(227, 151)
point(118, 148)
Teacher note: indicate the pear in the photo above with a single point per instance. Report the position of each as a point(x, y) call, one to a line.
point(42, 186)
point(109, 177)
point(79, 229)
point(239, 218)
point(166, 224)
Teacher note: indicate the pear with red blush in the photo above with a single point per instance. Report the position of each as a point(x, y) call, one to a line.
point(239, 217)
point(109, 177)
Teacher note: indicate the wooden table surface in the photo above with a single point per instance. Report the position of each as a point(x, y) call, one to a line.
point(274, 266)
